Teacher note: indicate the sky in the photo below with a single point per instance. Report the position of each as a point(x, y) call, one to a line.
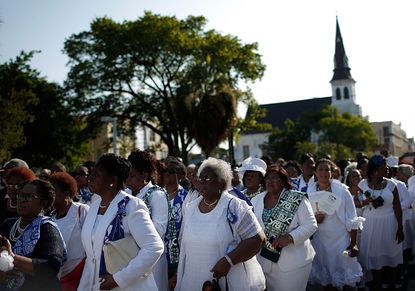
point(296, 39)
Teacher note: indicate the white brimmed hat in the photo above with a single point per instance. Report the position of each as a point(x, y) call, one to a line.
point(392, 161)
point(253, 164)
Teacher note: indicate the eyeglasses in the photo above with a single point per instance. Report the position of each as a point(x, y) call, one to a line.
point(26, 197)
point(170, 171)
point(13, 186)
point(204, 179)
point(81, 175)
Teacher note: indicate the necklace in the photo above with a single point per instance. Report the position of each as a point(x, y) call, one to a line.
point(103, 206)
point(328, 189)
point(210, 204)
point(16, 230)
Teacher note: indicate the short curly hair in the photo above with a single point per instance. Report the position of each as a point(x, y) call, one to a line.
point(21, 172)
point(45, 190)
point(64, 182)
point(115, 166)
point(143, 162)
point(220, 168)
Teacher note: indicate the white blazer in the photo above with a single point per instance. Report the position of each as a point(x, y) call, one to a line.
point(137, 275)
point(301, 228)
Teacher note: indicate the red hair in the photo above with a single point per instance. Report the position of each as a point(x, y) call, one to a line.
point(21, 172)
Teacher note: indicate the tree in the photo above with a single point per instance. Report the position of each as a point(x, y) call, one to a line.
point(16, 95)
point(339, 135)
point(159, 72)
point(37, 113)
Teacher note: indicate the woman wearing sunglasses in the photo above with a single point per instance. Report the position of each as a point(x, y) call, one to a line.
point(220, 236)
point(33, 240)
point(14, 181)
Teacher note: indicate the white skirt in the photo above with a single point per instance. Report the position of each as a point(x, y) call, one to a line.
point(330, 267)
point(378, 246)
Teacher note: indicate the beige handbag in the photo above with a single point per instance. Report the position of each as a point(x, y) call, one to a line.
point(118, 253)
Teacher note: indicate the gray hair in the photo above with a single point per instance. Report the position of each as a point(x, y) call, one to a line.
point(220, 168)
point(406, 169)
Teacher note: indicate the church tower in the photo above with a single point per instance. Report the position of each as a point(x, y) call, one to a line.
point(342, 83)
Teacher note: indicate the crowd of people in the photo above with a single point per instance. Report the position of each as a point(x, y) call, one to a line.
point(139, 223)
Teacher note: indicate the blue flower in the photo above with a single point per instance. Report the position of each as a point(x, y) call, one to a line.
point(232, 217)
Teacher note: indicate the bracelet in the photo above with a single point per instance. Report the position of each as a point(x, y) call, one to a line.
point(229, 260)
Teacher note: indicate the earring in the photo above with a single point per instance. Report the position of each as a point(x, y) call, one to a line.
point(111, 185)
point(42, 212)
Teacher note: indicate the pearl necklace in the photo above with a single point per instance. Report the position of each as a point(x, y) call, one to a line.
point(16, 230)
point(210, 204)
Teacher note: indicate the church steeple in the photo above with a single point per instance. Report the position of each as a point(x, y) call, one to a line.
point(342, 83)
point(341, 62)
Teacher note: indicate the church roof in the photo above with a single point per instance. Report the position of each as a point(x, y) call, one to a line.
point(277, 113)
point(341, 62)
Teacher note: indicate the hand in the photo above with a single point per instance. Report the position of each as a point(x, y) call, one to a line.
point(366, 202)
point(354, 250)
point(221, 268)
point(282, 241)
point(173, 282)
point(399, 235)
point(108, 282)
point(320, 217)
point(5, 245)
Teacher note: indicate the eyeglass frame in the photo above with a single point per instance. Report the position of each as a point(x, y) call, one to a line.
point(32, 196)
point(204, 179)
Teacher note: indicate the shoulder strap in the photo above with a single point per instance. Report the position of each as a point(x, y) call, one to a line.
point(229, 214)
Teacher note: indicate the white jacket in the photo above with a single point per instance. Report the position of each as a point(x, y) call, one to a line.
point(301, 229)
point(137, 275)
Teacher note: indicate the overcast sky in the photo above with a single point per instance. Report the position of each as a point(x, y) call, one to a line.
point(296, 39)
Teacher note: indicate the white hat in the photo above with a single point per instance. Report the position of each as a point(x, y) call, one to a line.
point(253, 164)
point(392, 161)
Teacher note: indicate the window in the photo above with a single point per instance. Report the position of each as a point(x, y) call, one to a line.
point(386, 130)
point(346, 93)
point(338, 94)
point(152, 136)
point(386, 140)
point(245, 151)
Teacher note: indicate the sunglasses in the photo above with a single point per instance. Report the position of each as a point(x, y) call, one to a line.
point(204, 179)
point(26, 197)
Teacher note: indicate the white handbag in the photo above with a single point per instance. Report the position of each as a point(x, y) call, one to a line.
point(118, 253)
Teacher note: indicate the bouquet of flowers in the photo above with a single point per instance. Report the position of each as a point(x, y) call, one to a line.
point(376, 202)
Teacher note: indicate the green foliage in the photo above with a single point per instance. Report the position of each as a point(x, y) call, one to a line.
point(339, 135)
point(158, 71)
point(38, 124)
point(16, 95)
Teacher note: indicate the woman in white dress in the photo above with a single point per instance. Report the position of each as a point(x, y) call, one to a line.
point(70, 217)
point(220, 236)
point(114, 216)
point(335, 264)
point(382, 234)
point(139, 182)
point(291, 212)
